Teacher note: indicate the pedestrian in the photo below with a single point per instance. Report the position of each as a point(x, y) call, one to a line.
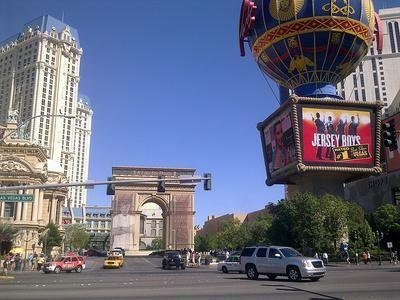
point(199, 258)
point(316, 255)
point(325, 258)
point(368, 257)
point(18, 261)
point(347, 257)
point(364, 257)
point(40, 262)
point(5, 266)
point(30, 258)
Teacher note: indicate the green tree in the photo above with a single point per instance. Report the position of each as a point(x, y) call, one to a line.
point(258, 231)
point(204, 243)
point(157, 244)
point(7, 234)
point(334, 213)
point(387, 219)
point(232, 235)
point(76, 237)
point(50, 237)
point(299, 222)
point(357, 221)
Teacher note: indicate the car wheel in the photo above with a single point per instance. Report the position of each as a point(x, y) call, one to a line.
point(183, 267)
point(271, 276)
point(78, 269)
point(252, 273)
point(315, 278)
point(224, 269)
point(57, 270)
point(293, 274)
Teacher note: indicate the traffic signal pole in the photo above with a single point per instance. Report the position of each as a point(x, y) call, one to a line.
point(89, 184)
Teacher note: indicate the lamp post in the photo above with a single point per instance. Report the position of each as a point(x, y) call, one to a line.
point(34, 117)
point(379, 237)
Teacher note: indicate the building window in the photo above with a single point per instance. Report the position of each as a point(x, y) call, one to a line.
point(392, 40)
point(9, 209)
point(153, 224)
point(153, 232)
point(160, 232)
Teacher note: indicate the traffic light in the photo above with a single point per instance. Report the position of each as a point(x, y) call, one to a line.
point(355, 235)
point(207, 181)
point(161, 184)
point(389, 135)
point(110, 187)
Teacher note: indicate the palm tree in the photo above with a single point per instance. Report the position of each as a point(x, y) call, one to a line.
point(7, 234)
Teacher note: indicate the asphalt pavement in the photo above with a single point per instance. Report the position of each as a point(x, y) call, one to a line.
point(143, 278)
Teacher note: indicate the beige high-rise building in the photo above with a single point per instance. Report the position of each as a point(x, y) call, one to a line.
point(377, 76)
point(39, 75)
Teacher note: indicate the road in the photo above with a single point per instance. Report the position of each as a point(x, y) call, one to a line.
point(142, 278)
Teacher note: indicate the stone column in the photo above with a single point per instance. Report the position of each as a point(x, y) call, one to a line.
point(35, 205)
point(40, 208)
point(167, 231)
point(1, 209)
point(19, 211)
point(136, 232)
point(60, 203)
point(53, 210)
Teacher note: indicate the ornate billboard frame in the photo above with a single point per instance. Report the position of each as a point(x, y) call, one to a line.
point(287, 174)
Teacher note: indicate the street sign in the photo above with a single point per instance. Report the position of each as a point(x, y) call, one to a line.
point(16, 198)
point(389, 245)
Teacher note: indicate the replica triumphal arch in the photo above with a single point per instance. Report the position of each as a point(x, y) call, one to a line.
point(177, 203)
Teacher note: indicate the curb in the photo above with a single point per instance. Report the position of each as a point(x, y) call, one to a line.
point(7, 277)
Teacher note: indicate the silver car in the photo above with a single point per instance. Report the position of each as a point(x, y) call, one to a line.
point(276, 261)
point(231, 264)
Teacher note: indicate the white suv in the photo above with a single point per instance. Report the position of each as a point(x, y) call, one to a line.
point(280, 261)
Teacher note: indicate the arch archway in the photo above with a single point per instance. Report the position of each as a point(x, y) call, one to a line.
point(177, 205)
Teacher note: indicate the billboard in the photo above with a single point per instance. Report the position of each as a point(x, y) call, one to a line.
point(334, 136)
point(393, 157)
point(279, 142)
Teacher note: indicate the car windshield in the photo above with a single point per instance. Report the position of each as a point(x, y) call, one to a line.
point(113, 258)
point(289, 252)
point(172, 253)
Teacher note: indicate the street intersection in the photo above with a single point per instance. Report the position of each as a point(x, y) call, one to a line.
point(143, 278)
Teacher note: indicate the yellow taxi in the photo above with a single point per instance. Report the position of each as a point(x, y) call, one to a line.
point(114, 261)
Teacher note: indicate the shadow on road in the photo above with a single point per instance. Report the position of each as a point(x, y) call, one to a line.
point(282, 287)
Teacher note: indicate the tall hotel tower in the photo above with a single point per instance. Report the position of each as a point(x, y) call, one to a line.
point(377, 78)
point(39, 75)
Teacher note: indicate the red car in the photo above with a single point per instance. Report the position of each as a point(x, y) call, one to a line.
point(65, 263)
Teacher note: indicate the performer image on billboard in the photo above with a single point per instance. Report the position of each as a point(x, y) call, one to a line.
point(329, 137)
point(281, 154)
point(320, 129)
point(279, 143)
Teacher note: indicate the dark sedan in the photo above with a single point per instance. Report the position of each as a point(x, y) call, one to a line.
point(173, 259)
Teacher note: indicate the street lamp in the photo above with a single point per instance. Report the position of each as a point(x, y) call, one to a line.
point(379, 237)
point(34, 117)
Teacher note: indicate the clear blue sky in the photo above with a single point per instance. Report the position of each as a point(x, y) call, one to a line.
point(169, 89)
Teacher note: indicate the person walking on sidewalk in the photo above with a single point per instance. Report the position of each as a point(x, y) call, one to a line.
point(368, 257)
point(325, 258)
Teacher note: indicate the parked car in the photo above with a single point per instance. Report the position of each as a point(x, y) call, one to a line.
point(122, 250)
point(231, 264)
point(276, 261)
point(95, 252)
point(173, 259)
point(113, 262)
point(65, 263)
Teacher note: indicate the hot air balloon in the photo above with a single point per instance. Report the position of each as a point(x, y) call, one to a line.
point(308, 46)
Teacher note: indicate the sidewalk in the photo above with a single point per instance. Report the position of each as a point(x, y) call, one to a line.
point(371, 266)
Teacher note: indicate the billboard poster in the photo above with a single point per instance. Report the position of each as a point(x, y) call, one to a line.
point(337, 136)
point(393, 157)
point(279, 142)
